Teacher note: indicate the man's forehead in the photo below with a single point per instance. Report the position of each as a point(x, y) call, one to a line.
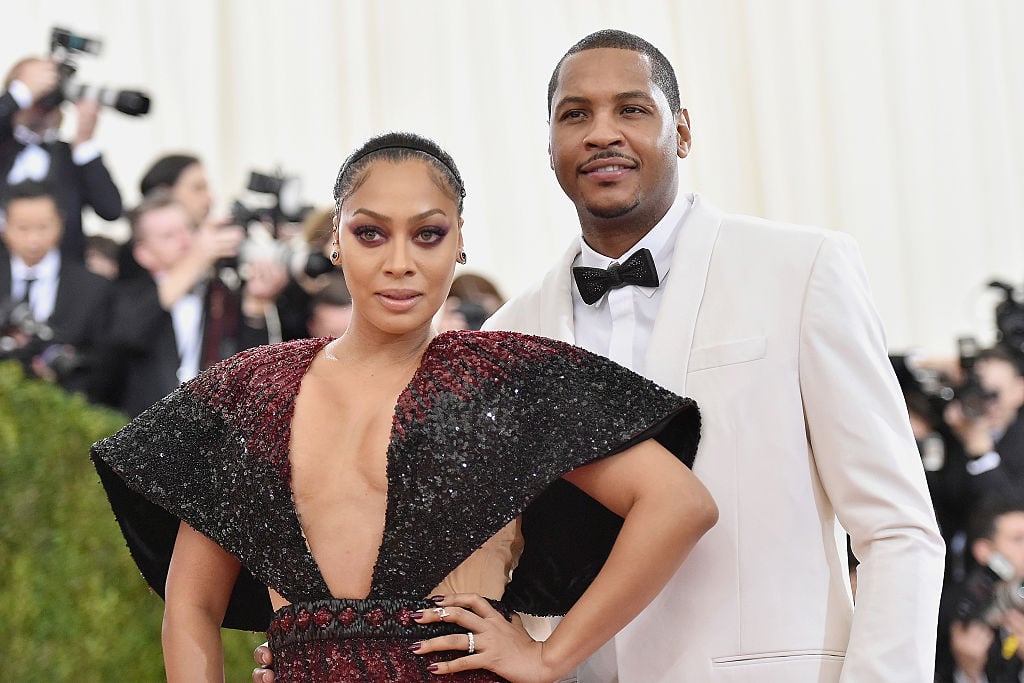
point(29, 203)
point(611, 71)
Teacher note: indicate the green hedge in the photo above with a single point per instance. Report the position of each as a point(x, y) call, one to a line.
point(73, 606)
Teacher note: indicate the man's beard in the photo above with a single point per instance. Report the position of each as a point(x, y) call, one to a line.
point(613, 211)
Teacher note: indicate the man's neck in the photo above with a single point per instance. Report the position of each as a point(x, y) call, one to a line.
point(613, 237)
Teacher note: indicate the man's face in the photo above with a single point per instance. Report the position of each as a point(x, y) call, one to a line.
point(1008, 541)
point(1001, 377)
point(164, 238)
point(33, 228)
point(613, 140)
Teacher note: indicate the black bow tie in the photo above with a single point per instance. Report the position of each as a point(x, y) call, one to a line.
point(638, 269)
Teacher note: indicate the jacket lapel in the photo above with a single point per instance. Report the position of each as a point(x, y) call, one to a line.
point(554, 307)
point(668, 353)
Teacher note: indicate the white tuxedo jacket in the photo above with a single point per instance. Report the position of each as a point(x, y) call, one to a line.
point(770, 328)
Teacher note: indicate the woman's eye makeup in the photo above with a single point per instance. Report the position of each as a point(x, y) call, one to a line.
point(366, 233)
point(432, 235)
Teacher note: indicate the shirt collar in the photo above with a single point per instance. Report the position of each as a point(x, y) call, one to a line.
point(659, 240)
point(47, 269)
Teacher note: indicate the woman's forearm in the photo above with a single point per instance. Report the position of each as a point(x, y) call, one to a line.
point(192, 646)
point(650, 547)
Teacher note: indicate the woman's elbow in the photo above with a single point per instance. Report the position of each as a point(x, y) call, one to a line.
point(698, 506)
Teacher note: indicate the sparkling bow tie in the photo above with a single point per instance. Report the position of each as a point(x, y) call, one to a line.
point(638, 269)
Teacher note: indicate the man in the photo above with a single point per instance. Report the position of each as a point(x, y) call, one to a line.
point(160, 332)
point(771, 329)
point(30, 150)
point(51, 307)
point(986, 632)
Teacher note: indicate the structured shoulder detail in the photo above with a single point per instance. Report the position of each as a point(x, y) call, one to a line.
point(255, 392)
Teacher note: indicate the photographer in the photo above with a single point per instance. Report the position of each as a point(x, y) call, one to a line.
point(984, 615)
point(992, 431)
point(165, 327)
point(51, 308)
point(29, 150)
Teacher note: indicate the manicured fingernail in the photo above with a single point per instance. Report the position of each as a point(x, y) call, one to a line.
point(433, 667)
point(437, 598)
point(417, 615)
point(415, 646)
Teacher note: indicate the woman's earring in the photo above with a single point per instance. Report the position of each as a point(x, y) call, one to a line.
point(461, 258)
point(334, 254)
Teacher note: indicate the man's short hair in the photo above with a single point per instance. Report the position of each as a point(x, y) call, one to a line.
point(160, 198)
point(662, 74)
point(1002, 353)
point(984, 518)
point(27, 189)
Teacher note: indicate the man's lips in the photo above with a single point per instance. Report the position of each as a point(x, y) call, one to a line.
point(608, 168)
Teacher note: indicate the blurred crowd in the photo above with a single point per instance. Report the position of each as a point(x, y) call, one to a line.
point(966, 414)
point(125, 322)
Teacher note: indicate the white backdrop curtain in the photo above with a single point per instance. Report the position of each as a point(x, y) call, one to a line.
point(897, 121)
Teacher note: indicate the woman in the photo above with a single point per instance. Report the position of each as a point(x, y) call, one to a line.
point(185, 177)
point(352, 476)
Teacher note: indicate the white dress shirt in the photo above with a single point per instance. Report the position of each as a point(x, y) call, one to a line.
point(46, 275)
point(33, 162)
point(187, 316)
point(619, 324)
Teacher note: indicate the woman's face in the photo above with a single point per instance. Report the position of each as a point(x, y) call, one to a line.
point(399, 233)
point(193, 192)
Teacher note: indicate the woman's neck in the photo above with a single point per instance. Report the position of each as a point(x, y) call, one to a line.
point(361, 347)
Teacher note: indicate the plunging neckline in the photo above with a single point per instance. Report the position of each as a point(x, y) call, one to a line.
point(388, 462)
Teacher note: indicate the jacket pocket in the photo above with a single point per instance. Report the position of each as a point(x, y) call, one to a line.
point(780, 657)
point(729, 353)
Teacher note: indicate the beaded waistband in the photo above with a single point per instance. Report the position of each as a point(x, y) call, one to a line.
point(339, 618)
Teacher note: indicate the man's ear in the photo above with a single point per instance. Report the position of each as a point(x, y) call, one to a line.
point(682, 133)
point(551, 159)
point(142, 257)
point(981, 549)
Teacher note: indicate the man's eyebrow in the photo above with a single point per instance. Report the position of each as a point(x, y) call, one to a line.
point(628, 95)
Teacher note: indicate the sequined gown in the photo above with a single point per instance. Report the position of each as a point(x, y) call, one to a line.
point(481, 435)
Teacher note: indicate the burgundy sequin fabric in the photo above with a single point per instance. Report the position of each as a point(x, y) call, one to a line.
point(482, 434)
point(358, 640)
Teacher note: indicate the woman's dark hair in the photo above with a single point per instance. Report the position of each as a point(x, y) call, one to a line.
point(397, 147)
point(165, 172)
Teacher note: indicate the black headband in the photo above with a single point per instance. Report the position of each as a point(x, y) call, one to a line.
point(367, 152)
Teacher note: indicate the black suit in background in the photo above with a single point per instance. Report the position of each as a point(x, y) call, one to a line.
point(78, 318)
point(140, 351)
point(74, 187)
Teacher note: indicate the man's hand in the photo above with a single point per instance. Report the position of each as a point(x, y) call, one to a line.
point(88, 112)
point(264, 659)
point(217, 239)
point(970, 643)
point(39, 76)
point(974, 432)
point(264, 281)
point(1013, 622)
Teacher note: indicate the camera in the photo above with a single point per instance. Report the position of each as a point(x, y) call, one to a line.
point(989, 592)
point(63, 46)
point(25, 339)
point(286, 192)
point(1009, 319)
point(939, 390)
point(286, 207)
